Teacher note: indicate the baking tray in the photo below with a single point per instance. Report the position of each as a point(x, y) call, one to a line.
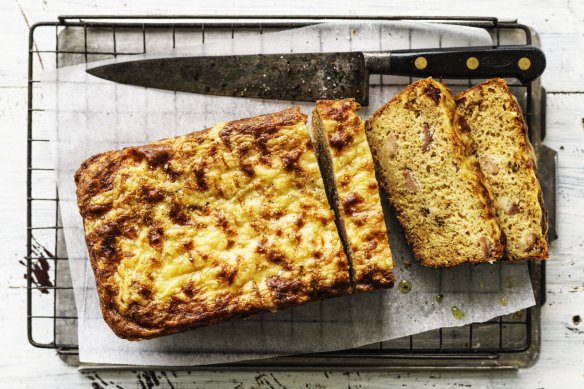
point(507, 342)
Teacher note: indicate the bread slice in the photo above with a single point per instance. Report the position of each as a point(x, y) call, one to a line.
point(347, 168)
point(432, 179)
point(492, 116)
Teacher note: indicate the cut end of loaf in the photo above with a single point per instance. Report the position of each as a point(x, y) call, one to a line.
point(318, 135)
point(350, 175)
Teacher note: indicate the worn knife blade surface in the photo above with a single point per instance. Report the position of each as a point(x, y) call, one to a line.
point(319, 76)
point(300, 77)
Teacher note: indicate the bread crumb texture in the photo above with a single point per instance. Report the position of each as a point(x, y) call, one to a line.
point(493, 118)
point(432, 178)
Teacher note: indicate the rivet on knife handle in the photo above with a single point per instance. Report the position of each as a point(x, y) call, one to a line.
point(525, 63)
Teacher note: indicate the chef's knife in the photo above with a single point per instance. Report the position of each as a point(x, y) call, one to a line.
point(316, 76)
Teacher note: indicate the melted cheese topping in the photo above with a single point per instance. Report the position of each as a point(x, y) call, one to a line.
point(228, 213)
point(358, 192)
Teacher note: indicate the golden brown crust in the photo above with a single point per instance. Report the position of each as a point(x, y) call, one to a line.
point(343, 113)
point(523, 161)
point(101, 167)
point(261, 126)
point(413, 151)
point(343, 149)
point(432, 92)
point(222, 223)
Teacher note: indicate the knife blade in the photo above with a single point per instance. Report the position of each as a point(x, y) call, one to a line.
point(318, 76)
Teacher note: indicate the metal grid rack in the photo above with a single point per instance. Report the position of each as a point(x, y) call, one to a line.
point(505, 342)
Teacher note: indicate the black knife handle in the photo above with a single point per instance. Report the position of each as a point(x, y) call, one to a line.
point(525, 63)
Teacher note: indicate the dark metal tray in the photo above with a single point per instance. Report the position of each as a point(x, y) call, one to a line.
point(507, 342)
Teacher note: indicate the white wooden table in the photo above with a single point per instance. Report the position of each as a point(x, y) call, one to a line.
point(561, 364)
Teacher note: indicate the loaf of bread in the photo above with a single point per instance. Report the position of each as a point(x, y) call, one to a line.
point(432, 179)
point(349, 174)
point(217, 224)
point(493, 118)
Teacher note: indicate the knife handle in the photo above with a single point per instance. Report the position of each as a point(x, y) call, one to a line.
point(525, 63)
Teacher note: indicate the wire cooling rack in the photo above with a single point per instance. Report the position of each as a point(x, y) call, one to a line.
point(510, 341)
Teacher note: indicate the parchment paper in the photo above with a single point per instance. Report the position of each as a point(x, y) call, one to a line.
point(87, 115)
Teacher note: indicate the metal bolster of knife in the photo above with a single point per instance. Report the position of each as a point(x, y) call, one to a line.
point(377, 62)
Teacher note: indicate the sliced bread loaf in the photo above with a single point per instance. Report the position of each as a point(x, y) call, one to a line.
point(434, 182)
point(347, 165)
point(493, 118)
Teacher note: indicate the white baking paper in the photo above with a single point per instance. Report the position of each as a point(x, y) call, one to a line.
point(87, 115)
